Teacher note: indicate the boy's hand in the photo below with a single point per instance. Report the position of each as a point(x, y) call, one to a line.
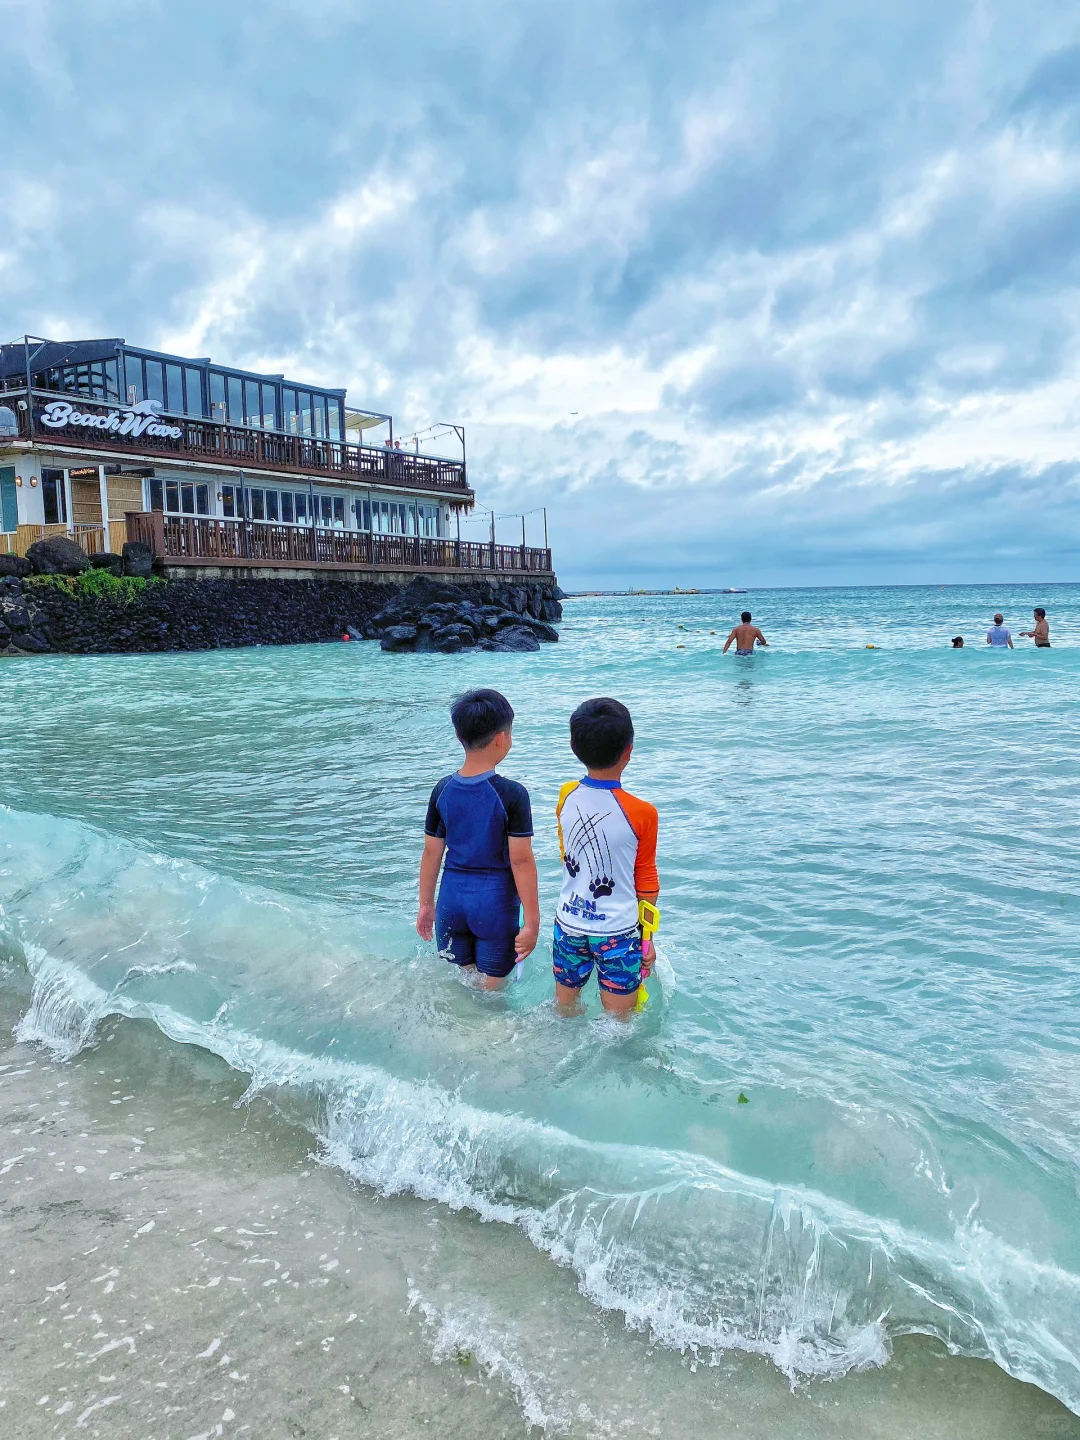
point(648, 957)
point(425, 922)
point(525, 941)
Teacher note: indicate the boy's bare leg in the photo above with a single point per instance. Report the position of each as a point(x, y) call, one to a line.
point(618, 1004)
point(482, 981)
point(568, 999)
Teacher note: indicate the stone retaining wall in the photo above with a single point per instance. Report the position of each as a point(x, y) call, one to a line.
point(37, 618)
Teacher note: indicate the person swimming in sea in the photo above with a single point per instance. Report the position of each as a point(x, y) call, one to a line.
point(1041, 633)
point(957, 642)
point(745, 636)
point(999, 635)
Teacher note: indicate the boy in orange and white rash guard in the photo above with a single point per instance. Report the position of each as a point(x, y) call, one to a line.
point(607, 840)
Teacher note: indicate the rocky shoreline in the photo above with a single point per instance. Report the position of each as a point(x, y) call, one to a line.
point(430, 616)
point(68, 605)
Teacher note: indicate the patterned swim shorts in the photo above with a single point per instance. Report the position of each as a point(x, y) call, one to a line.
point(617, 959)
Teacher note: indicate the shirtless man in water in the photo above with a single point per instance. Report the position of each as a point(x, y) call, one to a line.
point(1041, 633)
point(745, 636)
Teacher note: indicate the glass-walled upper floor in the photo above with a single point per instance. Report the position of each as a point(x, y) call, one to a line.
point(281, 505)
point(113, 371)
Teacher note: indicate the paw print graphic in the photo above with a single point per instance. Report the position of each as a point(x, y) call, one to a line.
point(572, 865)
point(602, 886)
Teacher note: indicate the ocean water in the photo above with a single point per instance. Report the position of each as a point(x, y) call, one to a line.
point(851, 1109)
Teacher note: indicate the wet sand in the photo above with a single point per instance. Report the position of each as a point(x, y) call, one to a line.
point(175, 1268)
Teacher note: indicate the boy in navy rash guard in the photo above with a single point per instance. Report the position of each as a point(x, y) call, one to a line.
point(483, 822)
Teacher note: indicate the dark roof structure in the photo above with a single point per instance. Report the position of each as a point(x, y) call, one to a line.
point(45, 354)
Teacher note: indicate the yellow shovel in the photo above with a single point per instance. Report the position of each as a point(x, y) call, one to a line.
point(649, 920)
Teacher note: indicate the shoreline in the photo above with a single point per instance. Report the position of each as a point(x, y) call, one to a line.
point(180, 1266)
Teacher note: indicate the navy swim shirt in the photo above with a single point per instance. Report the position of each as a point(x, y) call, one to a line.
point(475, 814)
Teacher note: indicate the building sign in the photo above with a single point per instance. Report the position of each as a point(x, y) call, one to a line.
point(132, 421)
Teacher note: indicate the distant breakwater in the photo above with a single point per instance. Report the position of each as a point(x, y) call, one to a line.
point(97, 613)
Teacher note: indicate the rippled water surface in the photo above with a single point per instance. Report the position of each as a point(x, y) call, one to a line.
point(870, 931)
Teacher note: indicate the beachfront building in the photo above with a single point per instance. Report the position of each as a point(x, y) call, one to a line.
point(222, 470)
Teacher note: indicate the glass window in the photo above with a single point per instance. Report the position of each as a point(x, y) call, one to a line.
point(174, 389)
point(217, 397)
point(290, 411)
point(271, 505)
point(339, 511)
point(269, 407)
point(156, 494)
point(286, 507)
point(236, 400)
point(202, 499)
point(134, 388)
point(305, 413)
point(187, 497)
point(258, 509)
point(228, 506)
point(172, 496)
point(52, 492)
point(155, 388)
point(252, 403)
point(301, 508)
point(112, 380)
point(364, 515)
point(327, 509)
point(318, 406)
point(334, 407)
point(194, 401)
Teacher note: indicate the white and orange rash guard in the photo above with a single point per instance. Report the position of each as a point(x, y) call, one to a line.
point(607, 840)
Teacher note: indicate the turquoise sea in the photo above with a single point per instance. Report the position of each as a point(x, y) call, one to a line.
point(871, 931)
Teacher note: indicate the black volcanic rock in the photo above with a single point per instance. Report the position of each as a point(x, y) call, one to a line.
point(516, 637)
point(57, 556)
point(189, 614)
point(138, 559)
point(114, 564)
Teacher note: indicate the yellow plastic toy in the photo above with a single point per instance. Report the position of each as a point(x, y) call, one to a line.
point(649, 920)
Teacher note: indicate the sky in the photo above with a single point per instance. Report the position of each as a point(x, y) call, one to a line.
point(744, 293)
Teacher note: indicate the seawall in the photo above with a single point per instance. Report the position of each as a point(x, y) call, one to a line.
point(47, 614)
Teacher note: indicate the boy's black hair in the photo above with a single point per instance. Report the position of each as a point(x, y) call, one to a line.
point(747, 617)
point(600, 731)
point(1040, 612)
point(479, 715)
point(957, 641)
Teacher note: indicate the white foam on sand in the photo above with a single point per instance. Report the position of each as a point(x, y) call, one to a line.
point(700, 1257)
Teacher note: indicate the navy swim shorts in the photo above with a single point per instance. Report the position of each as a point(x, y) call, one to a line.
point(477, 920)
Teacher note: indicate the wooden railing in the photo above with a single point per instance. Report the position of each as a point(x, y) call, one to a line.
point(236, 445)
point(192, 540)
point(90, 537)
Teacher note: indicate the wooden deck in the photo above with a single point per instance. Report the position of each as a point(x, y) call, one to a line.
point(238, 447)
point(245, 545)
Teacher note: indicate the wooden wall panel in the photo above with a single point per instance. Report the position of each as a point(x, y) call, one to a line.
point(85, 502)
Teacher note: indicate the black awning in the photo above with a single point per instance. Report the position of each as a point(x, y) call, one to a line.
point(45, 354)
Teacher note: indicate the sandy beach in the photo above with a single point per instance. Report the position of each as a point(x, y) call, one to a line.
point(177, 1267)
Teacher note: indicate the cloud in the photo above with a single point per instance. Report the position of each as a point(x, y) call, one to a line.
point(737, 292)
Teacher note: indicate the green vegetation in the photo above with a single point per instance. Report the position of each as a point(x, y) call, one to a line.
point(96, 585)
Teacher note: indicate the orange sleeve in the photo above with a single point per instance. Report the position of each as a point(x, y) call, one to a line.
point(645, 822)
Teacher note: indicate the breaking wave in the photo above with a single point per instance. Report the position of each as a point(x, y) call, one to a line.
point(695, 1253)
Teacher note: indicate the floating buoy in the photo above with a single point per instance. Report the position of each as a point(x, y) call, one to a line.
point(680, 647)
point(871, 647)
